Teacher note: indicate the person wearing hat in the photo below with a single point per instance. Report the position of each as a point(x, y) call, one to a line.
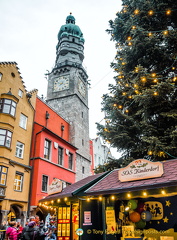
point(31, 231)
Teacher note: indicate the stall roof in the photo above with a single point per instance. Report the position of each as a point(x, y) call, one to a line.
point(75, 188)
point(111, 184)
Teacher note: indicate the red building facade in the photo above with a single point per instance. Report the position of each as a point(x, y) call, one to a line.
point(52, 156)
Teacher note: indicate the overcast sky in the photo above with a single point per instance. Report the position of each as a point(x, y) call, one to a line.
point(28, 36)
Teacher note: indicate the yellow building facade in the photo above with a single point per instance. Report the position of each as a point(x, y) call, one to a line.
point(16, 123)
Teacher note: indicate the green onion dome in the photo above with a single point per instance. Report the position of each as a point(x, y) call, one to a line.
point(70, 29)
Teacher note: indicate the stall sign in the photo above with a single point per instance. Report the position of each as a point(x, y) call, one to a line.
point(87, 218)
point(110, 220)
point(140, 169)
point(55, 186)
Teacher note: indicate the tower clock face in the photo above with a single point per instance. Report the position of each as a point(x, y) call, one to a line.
point(61, 83)
point(81, 88)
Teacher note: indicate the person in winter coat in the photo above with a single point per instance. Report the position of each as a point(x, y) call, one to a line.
point(3, 228)
point(31, 231)
point(11, 231)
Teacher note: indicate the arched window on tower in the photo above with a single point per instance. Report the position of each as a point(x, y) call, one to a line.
point(73, 40)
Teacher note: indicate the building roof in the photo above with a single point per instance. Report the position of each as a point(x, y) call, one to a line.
point(70, 29)
point(111, 184)
point(75, 188)
point(108, 183)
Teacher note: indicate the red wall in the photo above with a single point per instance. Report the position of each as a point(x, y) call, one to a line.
point(49, 129)
point(54, 122)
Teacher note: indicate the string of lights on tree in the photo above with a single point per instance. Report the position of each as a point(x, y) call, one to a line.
point(140, 81)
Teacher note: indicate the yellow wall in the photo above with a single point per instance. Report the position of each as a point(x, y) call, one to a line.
point(12, 81)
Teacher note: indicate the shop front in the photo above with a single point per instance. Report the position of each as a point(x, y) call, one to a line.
point(132, 203)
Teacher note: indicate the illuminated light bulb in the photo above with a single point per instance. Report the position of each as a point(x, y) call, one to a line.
point(124, 93)
point(151, 12)
point(127, 209)
point(153, 74)
point(163, 192)
point(133, 27)
point(120, 106)
point(40, 204)
point(46, 203)
point(174, 79)
point(130, 97)
point(143, 79)
point(52, 202)
point(168, 12)
point(173, 68)
point(136, 11)
point(135, 85)
point(129, 44)
point(145, 194)
point(121, 59)
point(100, 198)
point(114, 104)
point(126, 85)
point(129, 38)
point(155, 80)
point(58, 200)
point(47, 207)
point(155, 93)
point(123, 63)
point(165, 32)
point(128, 195)
point(136, 91)
point(65, 199)
point(126, 111)
point(88, 199)
point(149, 34)
point(113, 197)
point(149, 152)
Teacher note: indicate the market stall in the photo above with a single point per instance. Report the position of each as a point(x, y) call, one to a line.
point(131, 203)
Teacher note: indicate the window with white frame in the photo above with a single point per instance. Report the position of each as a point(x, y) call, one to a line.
point(45, 183)
point(5, 138)
point(3, 175)
point(18, 181)
point(60, 155)
point(23, 121)
point(70, 164)
point(47, 147)
point(19, 150)
point(20, 93)
point(7, 106)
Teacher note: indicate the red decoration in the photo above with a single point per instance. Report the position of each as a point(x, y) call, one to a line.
point(135, 217)
point(140, 207)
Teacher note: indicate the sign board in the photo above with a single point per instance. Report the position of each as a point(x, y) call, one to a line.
point(140, 169)
point(55, 186)
point(110, 220)
point(87, 218)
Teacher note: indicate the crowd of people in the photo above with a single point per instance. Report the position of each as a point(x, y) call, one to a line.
point(34, 229)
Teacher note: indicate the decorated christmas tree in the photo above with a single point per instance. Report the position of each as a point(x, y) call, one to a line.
point(141, 108)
